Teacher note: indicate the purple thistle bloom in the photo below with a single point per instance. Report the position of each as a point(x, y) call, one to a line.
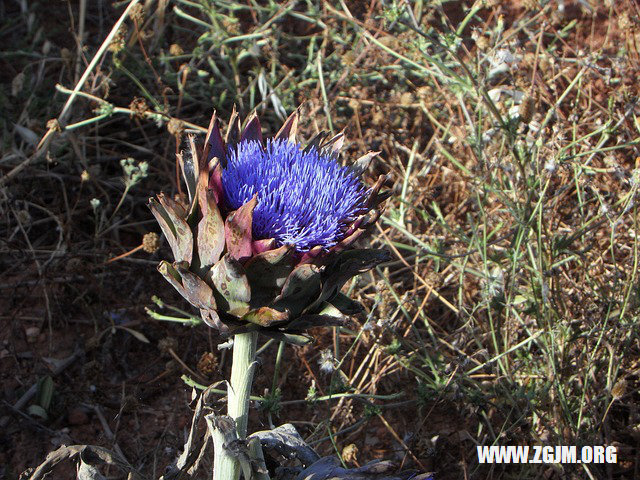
point(304, 198)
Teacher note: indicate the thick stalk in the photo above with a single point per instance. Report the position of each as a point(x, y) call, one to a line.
point(244, 351)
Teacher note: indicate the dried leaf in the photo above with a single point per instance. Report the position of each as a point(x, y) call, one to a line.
point(210, 236)
point(286, 441)
point(169, 216)
point(238, 230)
point(265, 317)
point(138, 335)
point(198, 293)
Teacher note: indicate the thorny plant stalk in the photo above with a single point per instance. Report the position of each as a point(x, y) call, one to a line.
point(227, 467)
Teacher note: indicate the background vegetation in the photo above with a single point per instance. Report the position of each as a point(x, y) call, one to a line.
point(510, 312)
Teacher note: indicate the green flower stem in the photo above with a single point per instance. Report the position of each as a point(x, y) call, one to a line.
point(243, 364)
point(244, 353)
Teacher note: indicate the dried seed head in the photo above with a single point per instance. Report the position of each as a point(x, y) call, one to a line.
point(137, 13)
point(118, 43)
point(528, 59)
point(54, 125)
point(406, 99)
point(349, 453)
point(527, 109)
point(619, 389)
point(151, 242)
point(208, 363)
point(175, 127)
point(545, 63)
point(66, 54)
point(482, 43)
point(624, 22)
point(175, 50)
point(326, 361)
point(138, 107)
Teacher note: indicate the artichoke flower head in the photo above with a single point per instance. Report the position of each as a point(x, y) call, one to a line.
point(265, 239)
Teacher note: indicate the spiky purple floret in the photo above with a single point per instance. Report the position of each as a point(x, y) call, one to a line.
point(304, 199)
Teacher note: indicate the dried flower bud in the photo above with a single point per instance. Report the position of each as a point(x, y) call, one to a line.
point(624, 21)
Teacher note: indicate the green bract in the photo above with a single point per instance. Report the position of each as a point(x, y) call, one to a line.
point(241, 283)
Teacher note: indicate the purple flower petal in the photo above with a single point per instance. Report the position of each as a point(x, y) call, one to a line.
point(304, 199)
